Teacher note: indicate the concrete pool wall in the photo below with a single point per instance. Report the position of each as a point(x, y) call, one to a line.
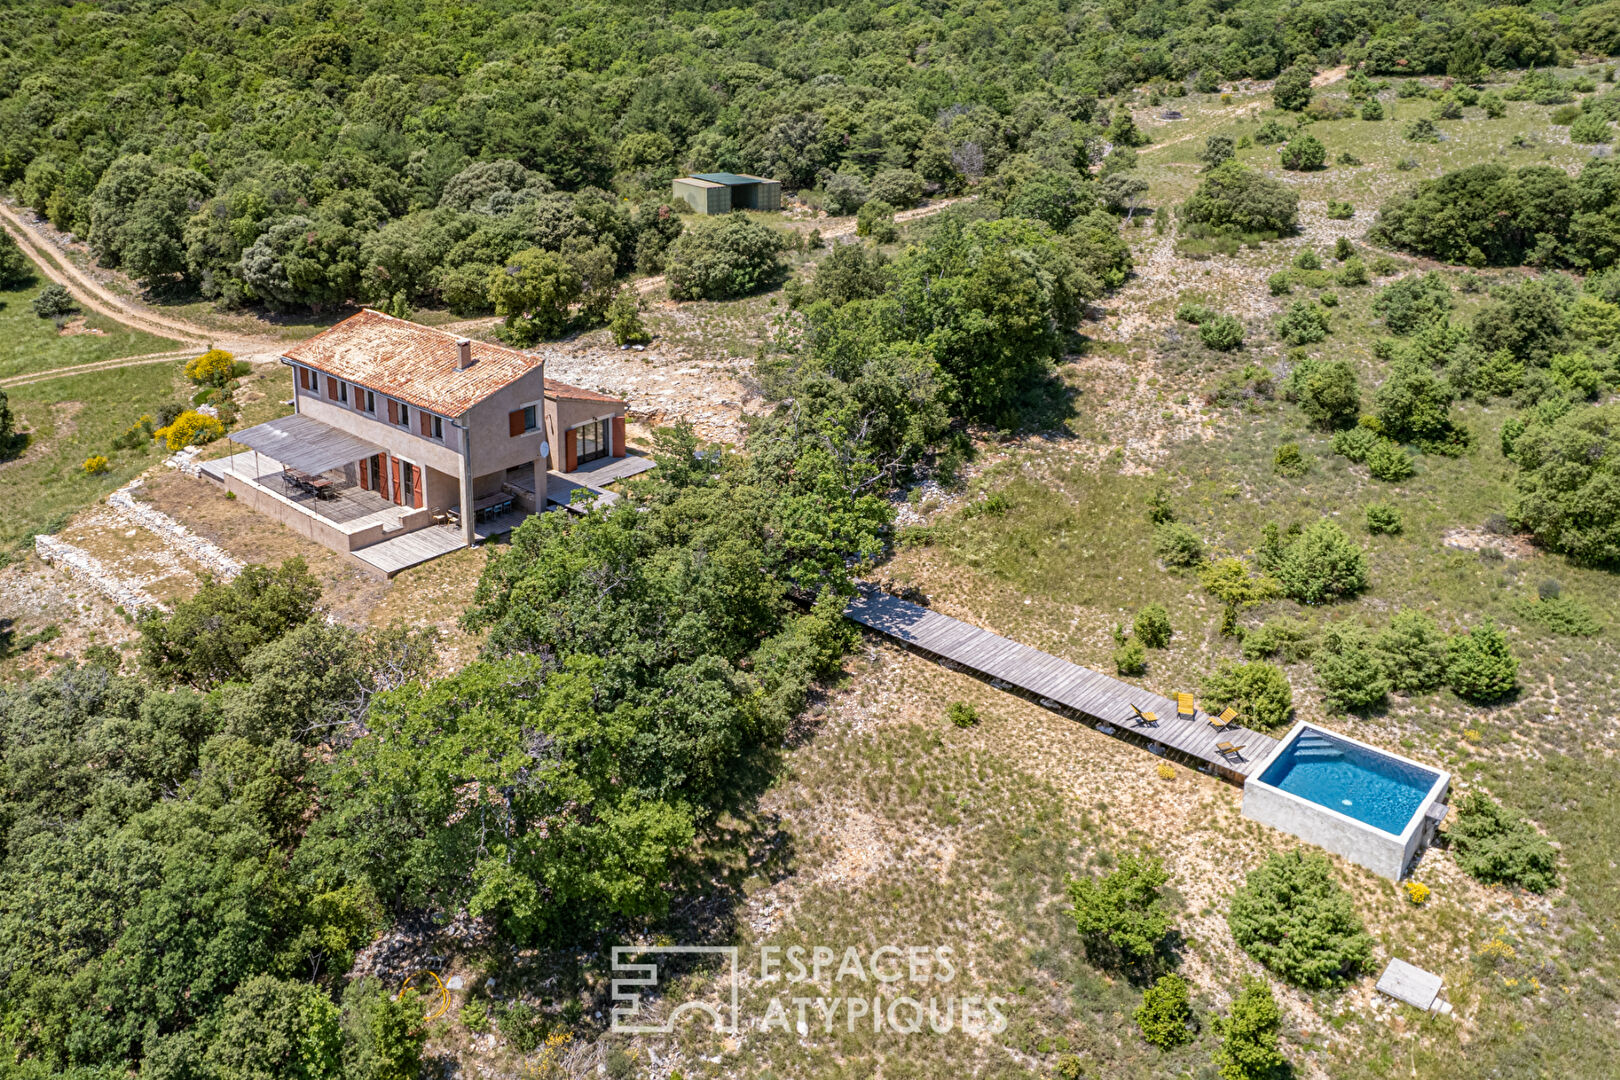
point(1384, 853)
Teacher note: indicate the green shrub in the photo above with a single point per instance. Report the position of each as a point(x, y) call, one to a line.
point(1303, 153)
point(1295, 919)
point(1223, 333)
point(1304, 323)
point(1152, 627)
point(1320, 564)
point(1281, 283)
point(1354, 443)
point(1492, 104)
point(1239, 387)
point(1569, 482)
point(1130, 658)
point(624, 320)
point(900, 188)
point(1292, 639)
point(1413, 303)
point(875, 220)
point(1497, 847)
point(1257, 690)
point(1480, 666)
point(1159, 510)
point(1292, 90)
point(962, 714)
point(1384, 518)
point(1194, 313)
point(1235, 200)
point(1372, 109)
point(1421, 130)
point(1308, 259)
point(1271, 133)
point(53, 302)
point(1562, 615)
point(1327, 391)
point(1165, 1016)
point(1248, 1049)
point(1414, 652)
point(1592, 130)
point(16, 269)
point(1350, 669)
point(845, 192)
point(1288, 461)
point(1353, 273)
point(1386, 460)
point(723, 258)
point(1178, 546)
point(1122, 917)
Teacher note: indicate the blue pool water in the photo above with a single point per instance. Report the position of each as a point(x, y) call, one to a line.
point(1373, 788)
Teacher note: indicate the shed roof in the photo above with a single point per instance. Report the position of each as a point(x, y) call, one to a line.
point(555, 389)
point(730, 179)
point(412, 362)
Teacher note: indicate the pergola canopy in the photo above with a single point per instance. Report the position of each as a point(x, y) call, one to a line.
point(304, 443)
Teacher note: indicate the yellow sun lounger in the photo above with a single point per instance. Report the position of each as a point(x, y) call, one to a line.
point(1225, 720)
point(1144, 717)
point(1185, 706)
point(1227, 749)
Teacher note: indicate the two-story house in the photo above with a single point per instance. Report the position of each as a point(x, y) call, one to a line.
point(399, 428)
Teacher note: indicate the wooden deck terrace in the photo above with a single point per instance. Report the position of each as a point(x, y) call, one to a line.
point(1098, 700)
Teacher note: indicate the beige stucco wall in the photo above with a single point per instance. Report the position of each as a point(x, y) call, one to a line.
point(565, 413)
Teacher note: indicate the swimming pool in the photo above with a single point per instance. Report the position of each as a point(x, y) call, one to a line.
point(1368, 785)
point(1373, 807)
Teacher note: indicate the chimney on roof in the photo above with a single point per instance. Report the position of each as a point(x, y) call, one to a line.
point(463, 353)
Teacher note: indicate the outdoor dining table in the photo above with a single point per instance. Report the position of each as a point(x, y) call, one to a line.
point(308, 482)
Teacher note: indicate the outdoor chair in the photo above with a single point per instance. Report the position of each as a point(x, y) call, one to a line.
point(1144, 717)
point(1185, 706)
point(1227, 749)
point(1225, 720)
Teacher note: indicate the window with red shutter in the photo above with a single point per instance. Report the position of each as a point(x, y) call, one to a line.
point(393, 411)
point(514, 423)
point(424, 421)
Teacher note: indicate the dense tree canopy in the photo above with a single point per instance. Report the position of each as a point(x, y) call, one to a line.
point(1489, 215)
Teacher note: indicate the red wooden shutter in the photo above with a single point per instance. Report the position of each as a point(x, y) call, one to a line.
point(365, 482)
point(303, 377)
point(570, 450)
point(393, 411)
point(514, 422)
point(617, 449)
point(424, 421)
point(393, 464)
point(331, 388)
point(416, 486)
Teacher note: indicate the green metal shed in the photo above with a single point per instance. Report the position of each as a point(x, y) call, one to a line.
point(718, 193)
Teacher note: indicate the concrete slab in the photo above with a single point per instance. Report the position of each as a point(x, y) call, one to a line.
point(1411, 985)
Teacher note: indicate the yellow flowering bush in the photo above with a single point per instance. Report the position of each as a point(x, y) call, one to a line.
point(95, 465)
point(190, 428)
point(213, 368)
point(1166, 771)
point(1417, 892)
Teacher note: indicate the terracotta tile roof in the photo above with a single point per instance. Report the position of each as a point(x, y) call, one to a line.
point(411, 362)
point(555, 389)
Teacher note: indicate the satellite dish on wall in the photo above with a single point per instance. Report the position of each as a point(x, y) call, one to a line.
point(545, 449)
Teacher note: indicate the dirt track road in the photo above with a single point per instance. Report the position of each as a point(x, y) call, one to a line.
point(97, 297)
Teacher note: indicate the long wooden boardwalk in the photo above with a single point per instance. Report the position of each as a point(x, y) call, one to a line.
point(1075, 691)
